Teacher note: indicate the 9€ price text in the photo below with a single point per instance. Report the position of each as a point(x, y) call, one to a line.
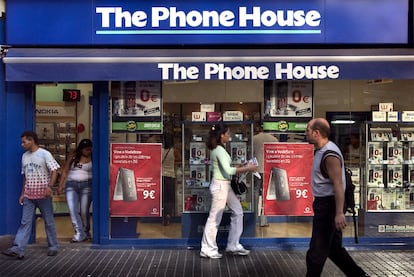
point(148, 194)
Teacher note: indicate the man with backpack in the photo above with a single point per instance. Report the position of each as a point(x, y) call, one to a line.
point(328, 206)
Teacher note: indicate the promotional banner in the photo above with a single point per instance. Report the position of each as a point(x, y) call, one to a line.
point(287, 179)
point(136, 106)
point(135, 179)
point(288, 99)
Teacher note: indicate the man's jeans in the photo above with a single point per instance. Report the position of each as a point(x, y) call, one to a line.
point(23, 233)
point(79, 199)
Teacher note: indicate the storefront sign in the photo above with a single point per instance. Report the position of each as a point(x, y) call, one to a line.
point(33, 64)
point(214, 22)
point(287, 179)
point(135, 179)
point(221, 71)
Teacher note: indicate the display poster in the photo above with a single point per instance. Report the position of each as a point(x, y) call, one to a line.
point(288, 99)
point(136, 106)
point(135, 179)
point(287, 179)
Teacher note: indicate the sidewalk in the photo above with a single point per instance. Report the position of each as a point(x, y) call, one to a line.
point(83, 259)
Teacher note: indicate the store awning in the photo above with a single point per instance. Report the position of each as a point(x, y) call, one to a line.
point(86, 65)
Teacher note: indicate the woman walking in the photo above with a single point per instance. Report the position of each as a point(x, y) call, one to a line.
point(223, 194)
point(78, 173)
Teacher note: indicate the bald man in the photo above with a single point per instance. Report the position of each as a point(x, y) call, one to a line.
point(328, 206)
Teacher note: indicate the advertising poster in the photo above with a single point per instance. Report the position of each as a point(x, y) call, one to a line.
point(135, 179)
point(136, 106)
point(288, 99)
point(287, 188)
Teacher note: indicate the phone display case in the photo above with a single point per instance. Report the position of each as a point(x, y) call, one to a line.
point(389, 170)
point(197, 168)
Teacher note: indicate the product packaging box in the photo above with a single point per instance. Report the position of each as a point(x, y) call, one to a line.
point(393, 116)
point(375, 153)
point(198, 174)
point(379, 116)
point(394, 176)
point(233, 116)
point(375, 176)
point(213, 116)
point(198, 116)
point(410, 175)
point(394, 153)
point(197, 152)
point(381, 134)
point(407, 133)
point(407, 116)
point(238, 152)
point(374, 201)
point(386, 107)
point(411, 152)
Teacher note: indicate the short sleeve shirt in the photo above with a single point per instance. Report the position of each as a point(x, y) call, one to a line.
point(37, 167)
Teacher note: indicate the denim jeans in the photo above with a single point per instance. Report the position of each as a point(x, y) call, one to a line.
point(79, 199)
point(28, 215)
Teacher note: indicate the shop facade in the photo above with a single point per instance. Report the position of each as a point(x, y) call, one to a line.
point(232, 59)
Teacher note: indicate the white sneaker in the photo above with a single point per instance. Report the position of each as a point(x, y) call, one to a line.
point(214, 256)
point(238, 252)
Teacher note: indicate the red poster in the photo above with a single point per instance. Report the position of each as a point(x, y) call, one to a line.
point(135, 179)
point(287, 179)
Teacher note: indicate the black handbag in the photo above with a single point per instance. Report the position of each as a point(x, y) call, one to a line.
point(239, 187)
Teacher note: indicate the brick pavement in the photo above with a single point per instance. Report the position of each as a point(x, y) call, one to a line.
point(80, 260)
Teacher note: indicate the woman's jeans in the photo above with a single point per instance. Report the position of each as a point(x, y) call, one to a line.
point(79, 199)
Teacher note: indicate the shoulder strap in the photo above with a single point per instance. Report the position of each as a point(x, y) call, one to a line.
point(165, 156)
point(326, 154)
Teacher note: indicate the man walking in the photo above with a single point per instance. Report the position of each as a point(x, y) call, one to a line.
point(329, 218)
point(39, 170)
point(258, 141)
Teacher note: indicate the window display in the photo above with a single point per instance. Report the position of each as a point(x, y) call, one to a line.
point(196, 167)
point(389, 173)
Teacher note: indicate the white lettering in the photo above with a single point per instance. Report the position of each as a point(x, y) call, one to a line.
point(193, 18)
point(105, 12)
point(175, 18)
point(310, 72)
point(158, 14)
point(223, 72)
point(178, 72)
point(282, 18)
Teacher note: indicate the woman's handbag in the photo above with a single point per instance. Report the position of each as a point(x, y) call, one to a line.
point(239, 187)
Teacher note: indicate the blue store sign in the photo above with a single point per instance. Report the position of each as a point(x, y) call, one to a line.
point(213, 22)
point(63, 64)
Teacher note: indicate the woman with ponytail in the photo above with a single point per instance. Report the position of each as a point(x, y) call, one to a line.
point(222, 194)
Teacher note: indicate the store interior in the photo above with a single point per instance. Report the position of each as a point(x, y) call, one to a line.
point(335, 99)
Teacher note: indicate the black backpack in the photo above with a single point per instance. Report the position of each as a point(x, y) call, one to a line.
point(349, 203)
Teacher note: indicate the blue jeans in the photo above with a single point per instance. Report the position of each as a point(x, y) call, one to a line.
point(79, 199)
point(28, 215)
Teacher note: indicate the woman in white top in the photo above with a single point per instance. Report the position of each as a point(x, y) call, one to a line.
point(78, 174)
